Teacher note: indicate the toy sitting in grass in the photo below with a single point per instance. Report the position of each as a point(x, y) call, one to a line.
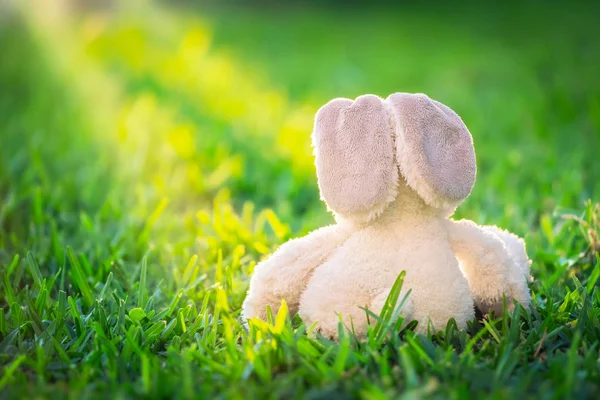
point(392, 171)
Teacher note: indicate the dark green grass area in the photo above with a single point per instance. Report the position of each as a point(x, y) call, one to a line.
point(150, 157)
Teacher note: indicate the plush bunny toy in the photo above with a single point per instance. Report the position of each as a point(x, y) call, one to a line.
point(392, 171)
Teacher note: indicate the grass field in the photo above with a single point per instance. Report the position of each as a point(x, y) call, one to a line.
point(150, 156)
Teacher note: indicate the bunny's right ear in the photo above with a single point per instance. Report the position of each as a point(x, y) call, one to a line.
point(434, 149)
point(354, 156)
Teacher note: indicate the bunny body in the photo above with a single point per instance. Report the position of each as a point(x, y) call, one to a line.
point(392, 171)
point(365, 267)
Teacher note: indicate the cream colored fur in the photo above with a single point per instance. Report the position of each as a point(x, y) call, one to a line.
point(392, 171)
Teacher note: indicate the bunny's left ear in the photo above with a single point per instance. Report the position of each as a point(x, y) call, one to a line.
point(354, 156)
point(434, 149)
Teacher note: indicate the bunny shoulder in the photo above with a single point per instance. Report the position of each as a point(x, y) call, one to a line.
point(284, 275)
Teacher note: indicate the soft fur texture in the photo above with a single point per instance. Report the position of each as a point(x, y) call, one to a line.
point(392, 171)
point(354, 156)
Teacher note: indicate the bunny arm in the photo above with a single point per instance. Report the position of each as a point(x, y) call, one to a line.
point(487, 263)
point(284, 275)
point(515, 246)
point(519, 270)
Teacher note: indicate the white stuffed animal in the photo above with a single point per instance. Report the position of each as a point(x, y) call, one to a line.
point(392, 171)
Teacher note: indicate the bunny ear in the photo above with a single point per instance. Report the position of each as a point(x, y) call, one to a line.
point(354, 151)
point(434, 149)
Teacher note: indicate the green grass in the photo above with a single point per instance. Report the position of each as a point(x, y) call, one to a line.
point(149, 158)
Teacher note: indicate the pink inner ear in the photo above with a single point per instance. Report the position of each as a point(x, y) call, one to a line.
point(435, 149)
point(355, 156)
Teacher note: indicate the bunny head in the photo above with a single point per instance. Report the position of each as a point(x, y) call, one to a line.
point(366, 149)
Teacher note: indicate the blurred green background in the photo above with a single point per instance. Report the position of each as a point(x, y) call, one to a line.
point(164, 131)
point(228, 93)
